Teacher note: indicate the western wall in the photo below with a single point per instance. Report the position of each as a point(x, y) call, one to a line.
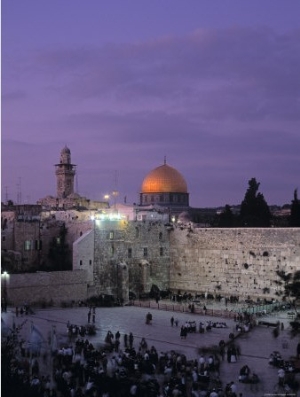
point(233, 262)
point(131, 256)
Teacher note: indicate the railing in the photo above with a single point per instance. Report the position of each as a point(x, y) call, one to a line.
point(175, 307)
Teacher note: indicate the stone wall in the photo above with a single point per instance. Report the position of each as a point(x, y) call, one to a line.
point(127, 256)
point(57, 287)
point(239, 262)
point(83, 255)
point(115, 257)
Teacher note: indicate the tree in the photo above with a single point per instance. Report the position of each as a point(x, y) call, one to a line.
point(292, 294)
point(10, 350)
point(59, 252)
point(254, 211)
point(295, 211)
point(226, 218)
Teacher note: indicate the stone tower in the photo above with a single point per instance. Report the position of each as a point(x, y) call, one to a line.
point(65, 173)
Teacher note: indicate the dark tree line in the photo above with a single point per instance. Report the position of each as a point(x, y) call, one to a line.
point(255, 212)
point(295, 211)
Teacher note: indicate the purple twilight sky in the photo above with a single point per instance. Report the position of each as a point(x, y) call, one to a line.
point(212, 85)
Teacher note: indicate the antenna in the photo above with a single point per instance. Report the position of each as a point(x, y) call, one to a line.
point(6, 194)
point(115, 192)
point(165, 160)
point(19, 191)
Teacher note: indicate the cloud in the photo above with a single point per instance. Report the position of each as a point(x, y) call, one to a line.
point(222, 105)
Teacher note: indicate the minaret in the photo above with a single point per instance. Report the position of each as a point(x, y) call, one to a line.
point(65, 172)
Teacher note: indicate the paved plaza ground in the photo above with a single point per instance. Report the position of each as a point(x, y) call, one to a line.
point(255, 346)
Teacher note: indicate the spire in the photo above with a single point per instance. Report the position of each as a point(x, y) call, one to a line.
point(165, 160)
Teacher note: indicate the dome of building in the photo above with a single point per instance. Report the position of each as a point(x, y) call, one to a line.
point(164, 179)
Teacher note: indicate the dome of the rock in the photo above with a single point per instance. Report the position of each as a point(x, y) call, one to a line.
point(164, 179)
point(164, 186)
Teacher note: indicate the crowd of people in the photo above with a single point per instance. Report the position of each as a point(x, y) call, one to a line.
point(122, 367)
point(125, 366)
point(80, 369)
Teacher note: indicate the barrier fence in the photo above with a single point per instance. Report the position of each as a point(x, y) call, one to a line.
point(257, 310)
point(175, 307)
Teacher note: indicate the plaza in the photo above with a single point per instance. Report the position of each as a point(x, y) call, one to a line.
point(255, 346)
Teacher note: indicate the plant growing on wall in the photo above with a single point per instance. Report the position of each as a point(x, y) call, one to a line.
point(292, 294)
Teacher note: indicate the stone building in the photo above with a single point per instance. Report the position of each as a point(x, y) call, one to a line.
point(66, 197)
point(121, 256)
point(165, 187)
point(131, 248)
point(65, 173)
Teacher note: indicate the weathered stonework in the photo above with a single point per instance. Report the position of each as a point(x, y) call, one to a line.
point(127, 256)
point(117, 256)
point(45, 287)
point(233, 261)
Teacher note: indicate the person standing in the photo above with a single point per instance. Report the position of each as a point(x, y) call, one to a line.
point(172, 321)
point(89, 316)
point(125, 340)
point(94, 317)
point(130, 340)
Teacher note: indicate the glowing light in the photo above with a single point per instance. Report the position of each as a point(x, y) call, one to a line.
point(111, 216)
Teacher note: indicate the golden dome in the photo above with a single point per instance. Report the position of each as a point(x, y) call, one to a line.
point(164, 179)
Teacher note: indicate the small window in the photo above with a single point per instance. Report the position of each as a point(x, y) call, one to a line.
point(129, 252)
point(161, 251)
point(38, 245)
point(80, 263)
point(27, 245)
point(112, 250)
point(90, 262)
point(145, 252)
point(111, 235)
point(58, 240)
point(160, 236)
point(3, 238)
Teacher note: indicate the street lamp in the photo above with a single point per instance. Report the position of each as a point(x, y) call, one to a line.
point(93, 219)
point(4, 300)
point(117, 267)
